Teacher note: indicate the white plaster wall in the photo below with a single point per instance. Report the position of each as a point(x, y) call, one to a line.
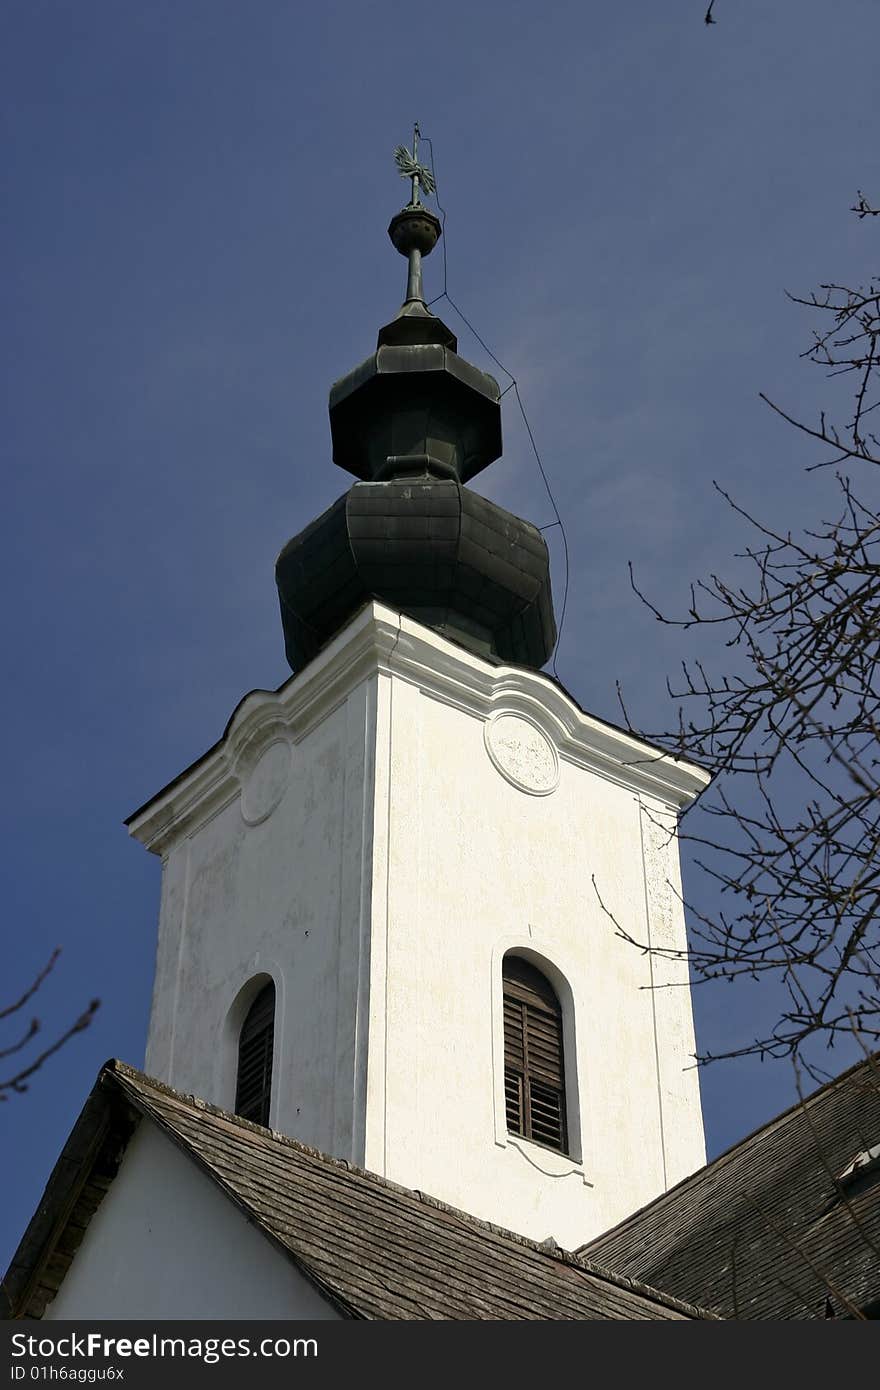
point(394, 867)
point(683, 1146)
point(166, 1243)
point(281, 899)
point(476, 866)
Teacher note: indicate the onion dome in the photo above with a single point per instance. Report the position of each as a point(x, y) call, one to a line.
point(414, 423)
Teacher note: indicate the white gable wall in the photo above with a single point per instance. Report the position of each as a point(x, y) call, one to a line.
point(166, 1243)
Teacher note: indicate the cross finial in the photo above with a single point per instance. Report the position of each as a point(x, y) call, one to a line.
point(407, 162)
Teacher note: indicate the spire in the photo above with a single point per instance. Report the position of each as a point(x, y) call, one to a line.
point(415, 399)
point(415, 230)
point(414, 423)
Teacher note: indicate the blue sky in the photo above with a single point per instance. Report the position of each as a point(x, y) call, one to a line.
point(194, 245)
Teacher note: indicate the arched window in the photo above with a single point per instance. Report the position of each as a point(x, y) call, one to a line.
point(254, 1081)
point(534, 1075)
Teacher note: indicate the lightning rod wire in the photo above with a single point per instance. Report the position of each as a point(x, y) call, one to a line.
point(512, 386)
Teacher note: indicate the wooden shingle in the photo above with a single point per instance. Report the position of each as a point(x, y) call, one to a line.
point(768, 1230)
point(377, 1250)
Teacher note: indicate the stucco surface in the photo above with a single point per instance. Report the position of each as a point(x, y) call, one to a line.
point(166, 1243)
point(476, 867)
point(374, 837)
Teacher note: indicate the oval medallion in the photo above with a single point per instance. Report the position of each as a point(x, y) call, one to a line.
point(522, 753)
point(266, 783)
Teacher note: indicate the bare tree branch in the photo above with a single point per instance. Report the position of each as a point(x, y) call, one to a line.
point(18, 1082)
point(788, 835)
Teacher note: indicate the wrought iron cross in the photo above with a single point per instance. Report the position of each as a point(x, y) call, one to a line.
point(408, 163)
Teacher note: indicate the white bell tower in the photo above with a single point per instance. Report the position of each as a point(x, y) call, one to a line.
point(415, 809)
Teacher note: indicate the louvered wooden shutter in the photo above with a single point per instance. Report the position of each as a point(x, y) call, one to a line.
point(534, 1076)
point(254, 1087)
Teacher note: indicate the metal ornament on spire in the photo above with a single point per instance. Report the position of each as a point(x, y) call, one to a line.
point(415, 230)
point(408, 163)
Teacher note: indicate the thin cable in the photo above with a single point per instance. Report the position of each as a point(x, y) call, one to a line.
point(557, 522)
point(512, 386)
point(426, 140)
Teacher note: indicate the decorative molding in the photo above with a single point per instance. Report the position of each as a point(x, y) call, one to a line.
point(521, 752)
point(547, 1161)
point(546, 957)
point(264, 781)
point(380, 640)
point(457, 677)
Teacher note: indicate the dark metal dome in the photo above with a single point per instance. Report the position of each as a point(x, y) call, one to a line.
point(430, 548)
point(414, 423)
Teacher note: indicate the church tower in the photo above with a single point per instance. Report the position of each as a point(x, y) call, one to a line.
point(379, 931)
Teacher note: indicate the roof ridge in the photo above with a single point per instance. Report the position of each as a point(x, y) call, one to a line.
point(868, 1062)
point(124, 1072)
point(680, 1305)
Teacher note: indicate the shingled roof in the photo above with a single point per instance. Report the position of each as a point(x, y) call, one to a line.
point(776, 1227)
point(375, 1249)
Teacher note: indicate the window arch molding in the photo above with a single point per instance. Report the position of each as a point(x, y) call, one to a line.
point(259, 973)
point(556, 969)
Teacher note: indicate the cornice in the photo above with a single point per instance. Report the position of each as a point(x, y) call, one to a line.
point(381, 641)
point(451, 674)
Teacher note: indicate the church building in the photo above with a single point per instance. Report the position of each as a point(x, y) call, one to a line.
point(399, 1063)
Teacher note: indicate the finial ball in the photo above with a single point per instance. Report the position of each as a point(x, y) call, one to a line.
point(415, 229)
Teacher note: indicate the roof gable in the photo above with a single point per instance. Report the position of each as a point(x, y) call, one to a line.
point(377, 1250)
point(197, 1254)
